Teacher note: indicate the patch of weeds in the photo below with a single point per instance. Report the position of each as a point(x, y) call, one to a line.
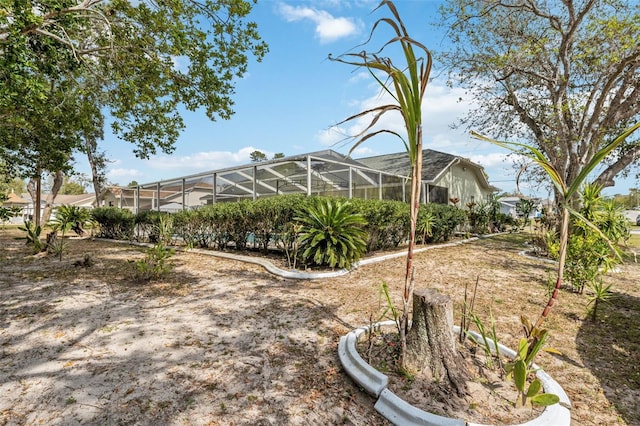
point(108, 329)
point(223, 408)
point(70, 400)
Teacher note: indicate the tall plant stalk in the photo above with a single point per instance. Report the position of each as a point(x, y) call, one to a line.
point(567, 191)
point(407, 86)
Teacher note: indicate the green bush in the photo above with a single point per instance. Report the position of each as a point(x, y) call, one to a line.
point(114, 223)
point(447, 220)
point(155, 264)
point(150, 225)
point(592, 252)
point(193, 227)
point(332, 234)
point(387, 222)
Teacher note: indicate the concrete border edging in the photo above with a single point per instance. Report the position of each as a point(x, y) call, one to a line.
point(399, 412)
point(357, 368)
point(294, 274)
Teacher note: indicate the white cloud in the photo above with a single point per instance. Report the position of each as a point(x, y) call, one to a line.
point(203, 161)
point(492, 159)
point(327, 27)
point(332, 137)
point(119, 173)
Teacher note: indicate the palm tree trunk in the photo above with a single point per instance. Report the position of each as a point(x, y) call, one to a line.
point(416, 184)
point(564, 238)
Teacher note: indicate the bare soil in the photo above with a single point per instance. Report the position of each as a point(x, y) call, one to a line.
point(222, 342)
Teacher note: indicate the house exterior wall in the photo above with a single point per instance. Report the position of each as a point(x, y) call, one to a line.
point(463, 183)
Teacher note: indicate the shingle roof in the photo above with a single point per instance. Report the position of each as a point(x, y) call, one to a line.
point(15, 199)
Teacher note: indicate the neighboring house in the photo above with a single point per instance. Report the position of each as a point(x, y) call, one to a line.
point(509, 205)
point(445, 176)
point(16, 200)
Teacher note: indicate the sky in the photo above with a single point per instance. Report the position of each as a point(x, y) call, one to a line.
point(291, 101)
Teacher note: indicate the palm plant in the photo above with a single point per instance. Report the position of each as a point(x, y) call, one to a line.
point(566, 191)
point(71, 217)
point(407, 86)
point(332, 234)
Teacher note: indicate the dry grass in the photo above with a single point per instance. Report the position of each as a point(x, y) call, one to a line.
point(233, 344)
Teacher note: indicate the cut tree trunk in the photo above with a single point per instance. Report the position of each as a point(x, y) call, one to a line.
point(431, 344)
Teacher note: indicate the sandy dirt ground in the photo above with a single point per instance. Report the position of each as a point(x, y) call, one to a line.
point(223, 342)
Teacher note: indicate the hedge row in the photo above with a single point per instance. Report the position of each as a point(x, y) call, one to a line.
point(270, 223)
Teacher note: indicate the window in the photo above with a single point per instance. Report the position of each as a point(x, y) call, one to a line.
point(438, 194)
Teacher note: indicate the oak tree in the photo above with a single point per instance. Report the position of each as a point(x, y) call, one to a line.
point(561, 76)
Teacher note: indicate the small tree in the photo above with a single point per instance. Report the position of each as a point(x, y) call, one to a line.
point(257, 156)
point(568, 194)
point(407, 86)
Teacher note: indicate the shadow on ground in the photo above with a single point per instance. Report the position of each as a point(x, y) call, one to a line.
point(214, 344)
point(610, 348)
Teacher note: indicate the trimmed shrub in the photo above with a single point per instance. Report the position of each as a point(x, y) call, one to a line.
point(114, 223)
point(446, 220)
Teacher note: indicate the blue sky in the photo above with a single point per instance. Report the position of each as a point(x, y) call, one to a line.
point(291, 101)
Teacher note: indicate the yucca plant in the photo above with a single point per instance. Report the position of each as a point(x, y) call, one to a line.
point(406, 85)
point(32, 236)
point(601, 294)
point(566, 192)
point(332, 234)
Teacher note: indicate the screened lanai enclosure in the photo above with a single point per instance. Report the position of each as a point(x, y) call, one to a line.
point(325, 173)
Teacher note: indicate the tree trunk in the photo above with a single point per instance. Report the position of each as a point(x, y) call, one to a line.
point(58, 179)
point(97, 162)
point(431, 344)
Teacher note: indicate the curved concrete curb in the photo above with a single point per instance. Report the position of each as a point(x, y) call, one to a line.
point(399, 412)
point(298, 275)
point(357, 368)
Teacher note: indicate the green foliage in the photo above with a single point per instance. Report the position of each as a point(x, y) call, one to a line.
point(597, 227)
point(66, 64)
point(446, 220)
point(567, 188)
point(387, 222)
point(155, 264)
point(389, 309)
point(332, 234)
point(489, 337)
point(520, 368)
point(72, 187)
point(154, 226)
point(425, 226)
point(193, 227)
point(32, 237)
point(257, 156)
point(6, 213)
point(478, 217)
point(71, 217)
point(600, 294)
point(57, 246)
point(114, 223)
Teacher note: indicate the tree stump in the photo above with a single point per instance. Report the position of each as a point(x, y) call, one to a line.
point(431, 344)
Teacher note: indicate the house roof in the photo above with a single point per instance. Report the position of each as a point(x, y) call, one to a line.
point(75, 200)
point(15, 199)
point(434, 164)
